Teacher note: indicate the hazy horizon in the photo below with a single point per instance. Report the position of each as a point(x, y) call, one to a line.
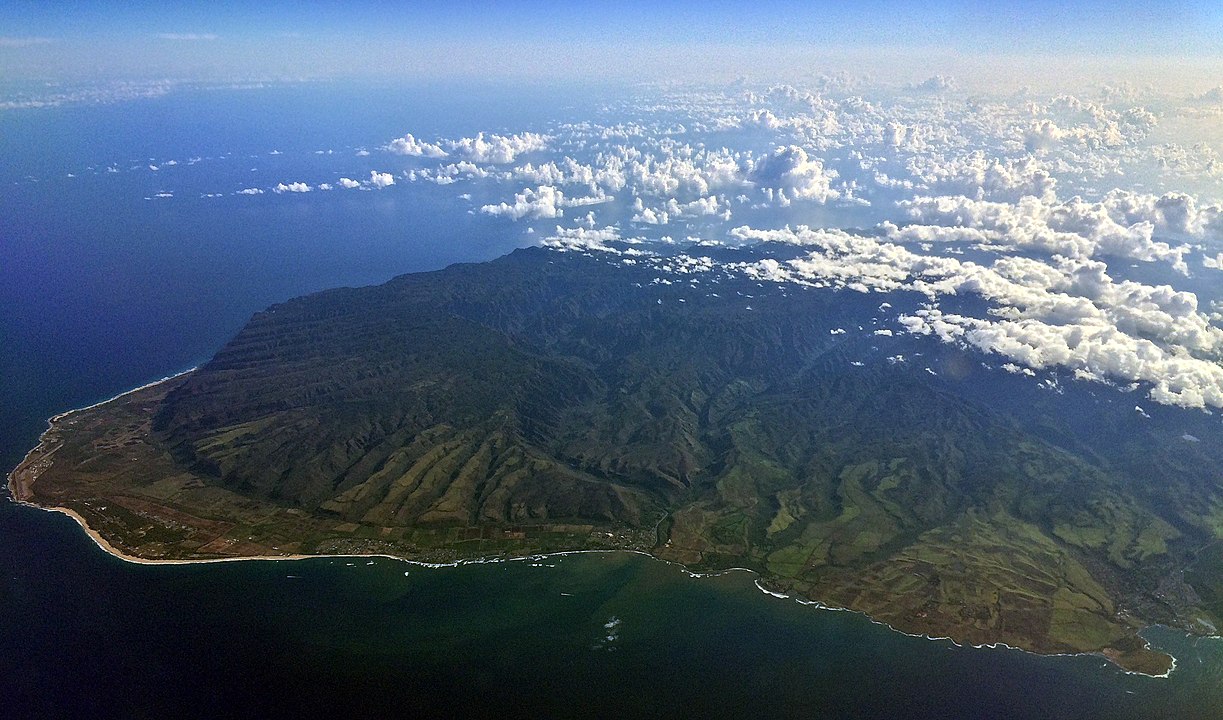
point(1176, 46)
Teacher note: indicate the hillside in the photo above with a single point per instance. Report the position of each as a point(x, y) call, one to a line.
point(557, 400)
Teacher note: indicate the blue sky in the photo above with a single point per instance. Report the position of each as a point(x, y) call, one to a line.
point(40, 40)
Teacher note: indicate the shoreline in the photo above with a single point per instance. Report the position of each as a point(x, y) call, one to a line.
point(10, 484)
point(125, 393)
point(102, 543)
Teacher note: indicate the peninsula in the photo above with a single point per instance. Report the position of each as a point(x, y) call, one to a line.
point(551, 401)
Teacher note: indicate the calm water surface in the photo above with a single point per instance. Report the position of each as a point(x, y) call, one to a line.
point(102, 290)
point(592, 635)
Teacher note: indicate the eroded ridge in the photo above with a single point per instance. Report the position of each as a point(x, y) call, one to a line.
point(549, 402)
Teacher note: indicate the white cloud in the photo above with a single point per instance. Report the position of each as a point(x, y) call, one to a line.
point(981, 176)
point(583, 238)
point(1096, 350)
point(599, 198)
point(295, 187)
point(380, 180)
point(250, 191)
point(349, 183)
point(544, 201)
point(1059, 312)
point(1123, 224)
point(650, 216)
point(937, 83)
point(447, 174)
point(497, 149)
point(1002, 199)
point(409, 145)
point(794, 175)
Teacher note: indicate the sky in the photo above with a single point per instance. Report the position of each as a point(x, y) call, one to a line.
point(615, 41)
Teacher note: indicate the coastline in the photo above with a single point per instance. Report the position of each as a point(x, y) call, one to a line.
point(11, 480)
point(101, 542)
point(125, 393)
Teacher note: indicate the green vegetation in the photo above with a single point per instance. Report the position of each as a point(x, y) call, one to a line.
point(547, 402)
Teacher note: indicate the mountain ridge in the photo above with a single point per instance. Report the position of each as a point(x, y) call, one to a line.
point(559, 400)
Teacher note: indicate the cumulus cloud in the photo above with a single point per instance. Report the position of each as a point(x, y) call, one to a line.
point(1079, 125)
point(349, 183)
point(1059, 312)
point(650, 216)
point(250, 191)
point(544, 201)
point(1123, 224)
point(583, 238)
point(446, 174)
point(409, 145)
point(295, 187)
point(980, 176)
point(937, 83)
point(1093, 350)
point(793, 175)
point(380, 180)
point(497, 149)
point(673, 209)
point(676, 170)
point(1035, 207)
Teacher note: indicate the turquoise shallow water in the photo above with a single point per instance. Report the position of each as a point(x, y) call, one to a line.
point(591, 635)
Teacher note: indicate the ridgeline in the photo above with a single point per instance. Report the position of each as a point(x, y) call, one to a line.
point(551, 401)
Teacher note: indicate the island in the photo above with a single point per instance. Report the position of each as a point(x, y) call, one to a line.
point(552, 401)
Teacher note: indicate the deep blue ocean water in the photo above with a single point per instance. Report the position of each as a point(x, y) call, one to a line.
point(102, 289)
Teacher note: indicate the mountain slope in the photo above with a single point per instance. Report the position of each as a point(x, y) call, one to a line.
point(553, 400)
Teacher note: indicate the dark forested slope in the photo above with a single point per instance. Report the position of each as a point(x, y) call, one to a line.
point(738, 423)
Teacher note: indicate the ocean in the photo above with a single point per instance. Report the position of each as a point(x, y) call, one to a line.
point(102, 290)
point(85, 634)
